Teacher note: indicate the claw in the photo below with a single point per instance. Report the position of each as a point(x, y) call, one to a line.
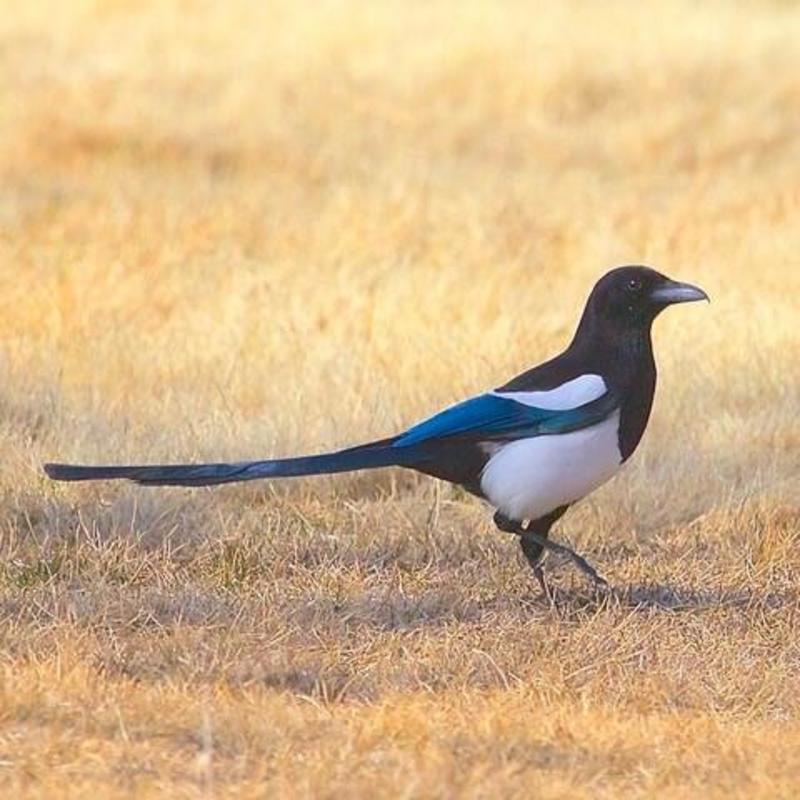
point(546, 590)
point(579, 561)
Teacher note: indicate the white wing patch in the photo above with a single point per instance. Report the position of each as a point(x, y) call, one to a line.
point(529, 478)
point(571, 394)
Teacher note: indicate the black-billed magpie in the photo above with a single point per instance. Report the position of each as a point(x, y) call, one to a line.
point(530, 448)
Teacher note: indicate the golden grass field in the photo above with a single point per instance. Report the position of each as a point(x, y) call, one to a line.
point(234, 230)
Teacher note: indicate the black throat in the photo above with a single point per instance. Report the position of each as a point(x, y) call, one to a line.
point(623, 356)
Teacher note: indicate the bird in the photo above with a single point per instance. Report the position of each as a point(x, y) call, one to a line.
point(530, 448)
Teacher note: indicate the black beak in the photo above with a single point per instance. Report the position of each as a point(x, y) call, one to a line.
point(675, 292)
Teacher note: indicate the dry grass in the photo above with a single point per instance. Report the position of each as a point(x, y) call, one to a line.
point(246, 229)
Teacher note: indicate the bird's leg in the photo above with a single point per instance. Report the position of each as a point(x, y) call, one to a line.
point(531, 549)
point(532, 538)
point(508, 525)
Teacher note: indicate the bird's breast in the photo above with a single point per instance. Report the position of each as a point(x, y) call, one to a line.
point(529, 478)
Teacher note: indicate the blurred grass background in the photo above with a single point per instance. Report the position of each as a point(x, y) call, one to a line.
point(249, 229)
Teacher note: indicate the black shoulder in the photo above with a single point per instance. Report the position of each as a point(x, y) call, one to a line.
point(553, 373)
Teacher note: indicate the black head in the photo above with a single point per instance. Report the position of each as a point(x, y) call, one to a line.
point(628, 299)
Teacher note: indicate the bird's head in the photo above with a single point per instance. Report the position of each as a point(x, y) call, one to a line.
point(630, 298)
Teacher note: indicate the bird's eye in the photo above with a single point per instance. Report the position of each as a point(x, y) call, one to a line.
point(633, 285)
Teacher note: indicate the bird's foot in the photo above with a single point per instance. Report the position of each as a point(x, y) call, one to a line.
point(547, 592)
point(534, 543)
point(579, 561)
point(533, 552)
point(584, 566)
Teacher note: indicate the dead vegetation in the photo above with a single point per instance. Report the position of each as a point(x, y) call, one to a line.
point(250, 229)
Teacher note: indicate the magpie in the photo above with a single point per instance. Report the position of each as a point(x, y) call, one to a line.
point(531, 448)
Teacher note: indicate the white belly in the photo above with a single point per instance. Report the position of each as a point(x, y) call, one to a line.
point(529, 478)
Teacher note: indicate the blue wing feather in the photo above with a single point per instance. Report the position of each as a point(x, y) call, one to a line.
point(494, 417)
point(489, 417)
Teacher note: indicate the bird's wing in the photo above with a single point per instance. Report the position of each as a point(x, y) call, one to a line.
point(502, 416)
point(496, 416)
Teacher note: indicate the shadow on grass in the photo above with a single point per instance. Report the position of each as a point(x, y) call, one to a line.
point(646, 597)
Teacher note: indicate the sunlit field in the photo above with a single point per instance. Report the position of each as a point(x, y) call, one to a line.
point(242, 230)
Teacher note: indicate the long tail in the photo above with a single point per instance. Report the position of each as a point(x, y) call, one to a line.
point(368, 456)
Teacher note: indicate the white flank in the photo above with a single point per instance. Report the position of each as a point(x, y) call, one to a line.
point(529, 478)
point(571, 394)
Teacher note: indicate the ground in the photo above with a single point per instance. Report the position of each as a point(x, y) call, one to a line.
point(253, 229)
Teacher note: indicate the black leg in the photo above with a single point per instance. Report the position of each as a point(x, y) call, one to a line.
point(533, 553)
point(531, 549)
point(508, 525)
point(533, 541)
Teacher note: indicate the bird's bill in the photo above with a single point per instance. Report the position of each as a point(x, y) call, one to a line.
point(675, 292)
